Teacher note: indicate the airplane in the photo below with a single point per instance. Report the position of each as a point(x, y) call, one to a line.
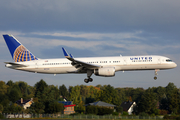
point(99, 66)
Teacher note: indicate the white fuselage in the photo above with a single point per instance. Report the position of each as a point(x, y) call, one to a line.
point(120, 63)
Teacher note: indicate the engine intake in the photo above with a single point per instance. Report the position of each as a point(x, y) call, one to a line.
point(106, 72)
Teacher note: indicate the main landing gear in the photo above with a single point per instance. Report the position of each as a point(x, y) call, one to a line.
point(88, 80)
point(89, 73)
point(155, 77)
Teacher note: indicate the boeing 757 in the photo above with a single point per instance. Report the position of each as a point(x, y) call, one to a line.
point(100, 66)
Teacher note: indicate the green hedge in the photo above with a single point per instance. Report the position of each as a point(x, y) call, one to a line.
point(97, 110)
point(172, 117)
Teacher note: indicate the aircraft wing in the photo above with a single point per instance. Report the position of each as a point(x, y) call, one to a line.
point(15, 64)
point(80, 65)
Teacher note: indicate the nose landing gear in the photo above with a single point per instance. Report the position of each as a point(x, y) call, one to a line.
point(155, 77)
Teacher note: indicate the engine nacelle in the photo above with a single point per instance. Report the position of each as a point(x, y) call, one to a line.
point(106, 72)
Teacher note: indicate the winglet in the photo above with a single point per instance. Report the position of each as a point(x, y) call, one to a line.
point(65, 53)
point(71, 56)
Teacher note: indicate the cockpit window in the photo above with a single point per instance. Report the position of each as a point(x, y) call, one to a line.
point(168, 60)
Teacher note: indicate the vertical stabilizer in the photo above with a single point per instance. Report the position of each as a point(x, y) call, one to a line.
point(18, 52)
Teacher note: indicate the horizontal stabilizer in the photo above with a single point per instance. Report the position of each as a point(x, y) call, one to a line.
point(15, 64)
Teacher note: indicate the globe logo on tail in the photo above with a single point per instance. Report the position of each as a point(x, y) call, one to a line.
point(21, 54)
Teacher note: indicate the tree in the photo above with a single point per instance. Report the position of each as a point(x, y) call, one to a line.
point(169, 89)
point(4, 100)
point(136, 94)
point(18, 108)
point(55, 107)
point(129, 99)
point(109, 95)
point(30, 92)
point(46, 96)
point(93, 91)
point(121, 94)
point(164, 103)
point(160, 91)
point(37, 107)
point(63, 91)
point(54, 90)
point(13, 108)
point(89, 100)
point(75, 94)
point(14, 95)
point(1, 108)
point(84, 91)
point(40, 87)
point(80, 106)
point(99, 86)
point(148, 102)
point(23, 88)
point(10, 83)
point(174, 101)
point(3, 87)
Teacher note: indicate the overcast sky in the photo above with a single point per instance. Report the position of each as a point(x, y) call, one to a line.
point(88, 28)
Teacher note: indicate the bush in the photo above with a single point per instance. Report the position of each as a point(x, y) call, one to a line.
point(1, 116)
point(156, 111)
point(75, 114)
point(125, 113)
point(165, 116)
point(143, 114)
point(171, 117)
point(104, 111)
point(163, 112)
point(178, 118)
point(97, 110)
point(119, 109)
point(91, 110)
point(115, 113)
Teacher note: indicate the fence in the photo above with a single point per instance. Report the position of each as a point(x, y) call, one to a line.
point(78, 116)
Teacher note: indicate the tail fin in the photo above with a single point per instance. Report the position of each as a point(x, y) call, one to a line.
point(18, 52)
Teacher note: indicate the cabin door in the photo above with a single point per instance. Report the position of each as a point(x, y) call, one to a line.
point(159, 60)
point(125, 62)
point(36, 64)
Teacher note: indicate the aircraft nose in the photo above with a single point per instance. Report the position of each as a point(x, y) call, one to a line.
point(175, 65)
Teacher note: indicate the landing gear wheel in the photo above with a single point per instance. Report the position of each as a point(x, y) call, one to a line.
point(90, 79)
point(155, 76)
point(86, 80)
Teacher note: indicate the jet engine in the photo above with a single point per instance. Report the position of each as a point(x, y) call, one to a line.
point(106, 72)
